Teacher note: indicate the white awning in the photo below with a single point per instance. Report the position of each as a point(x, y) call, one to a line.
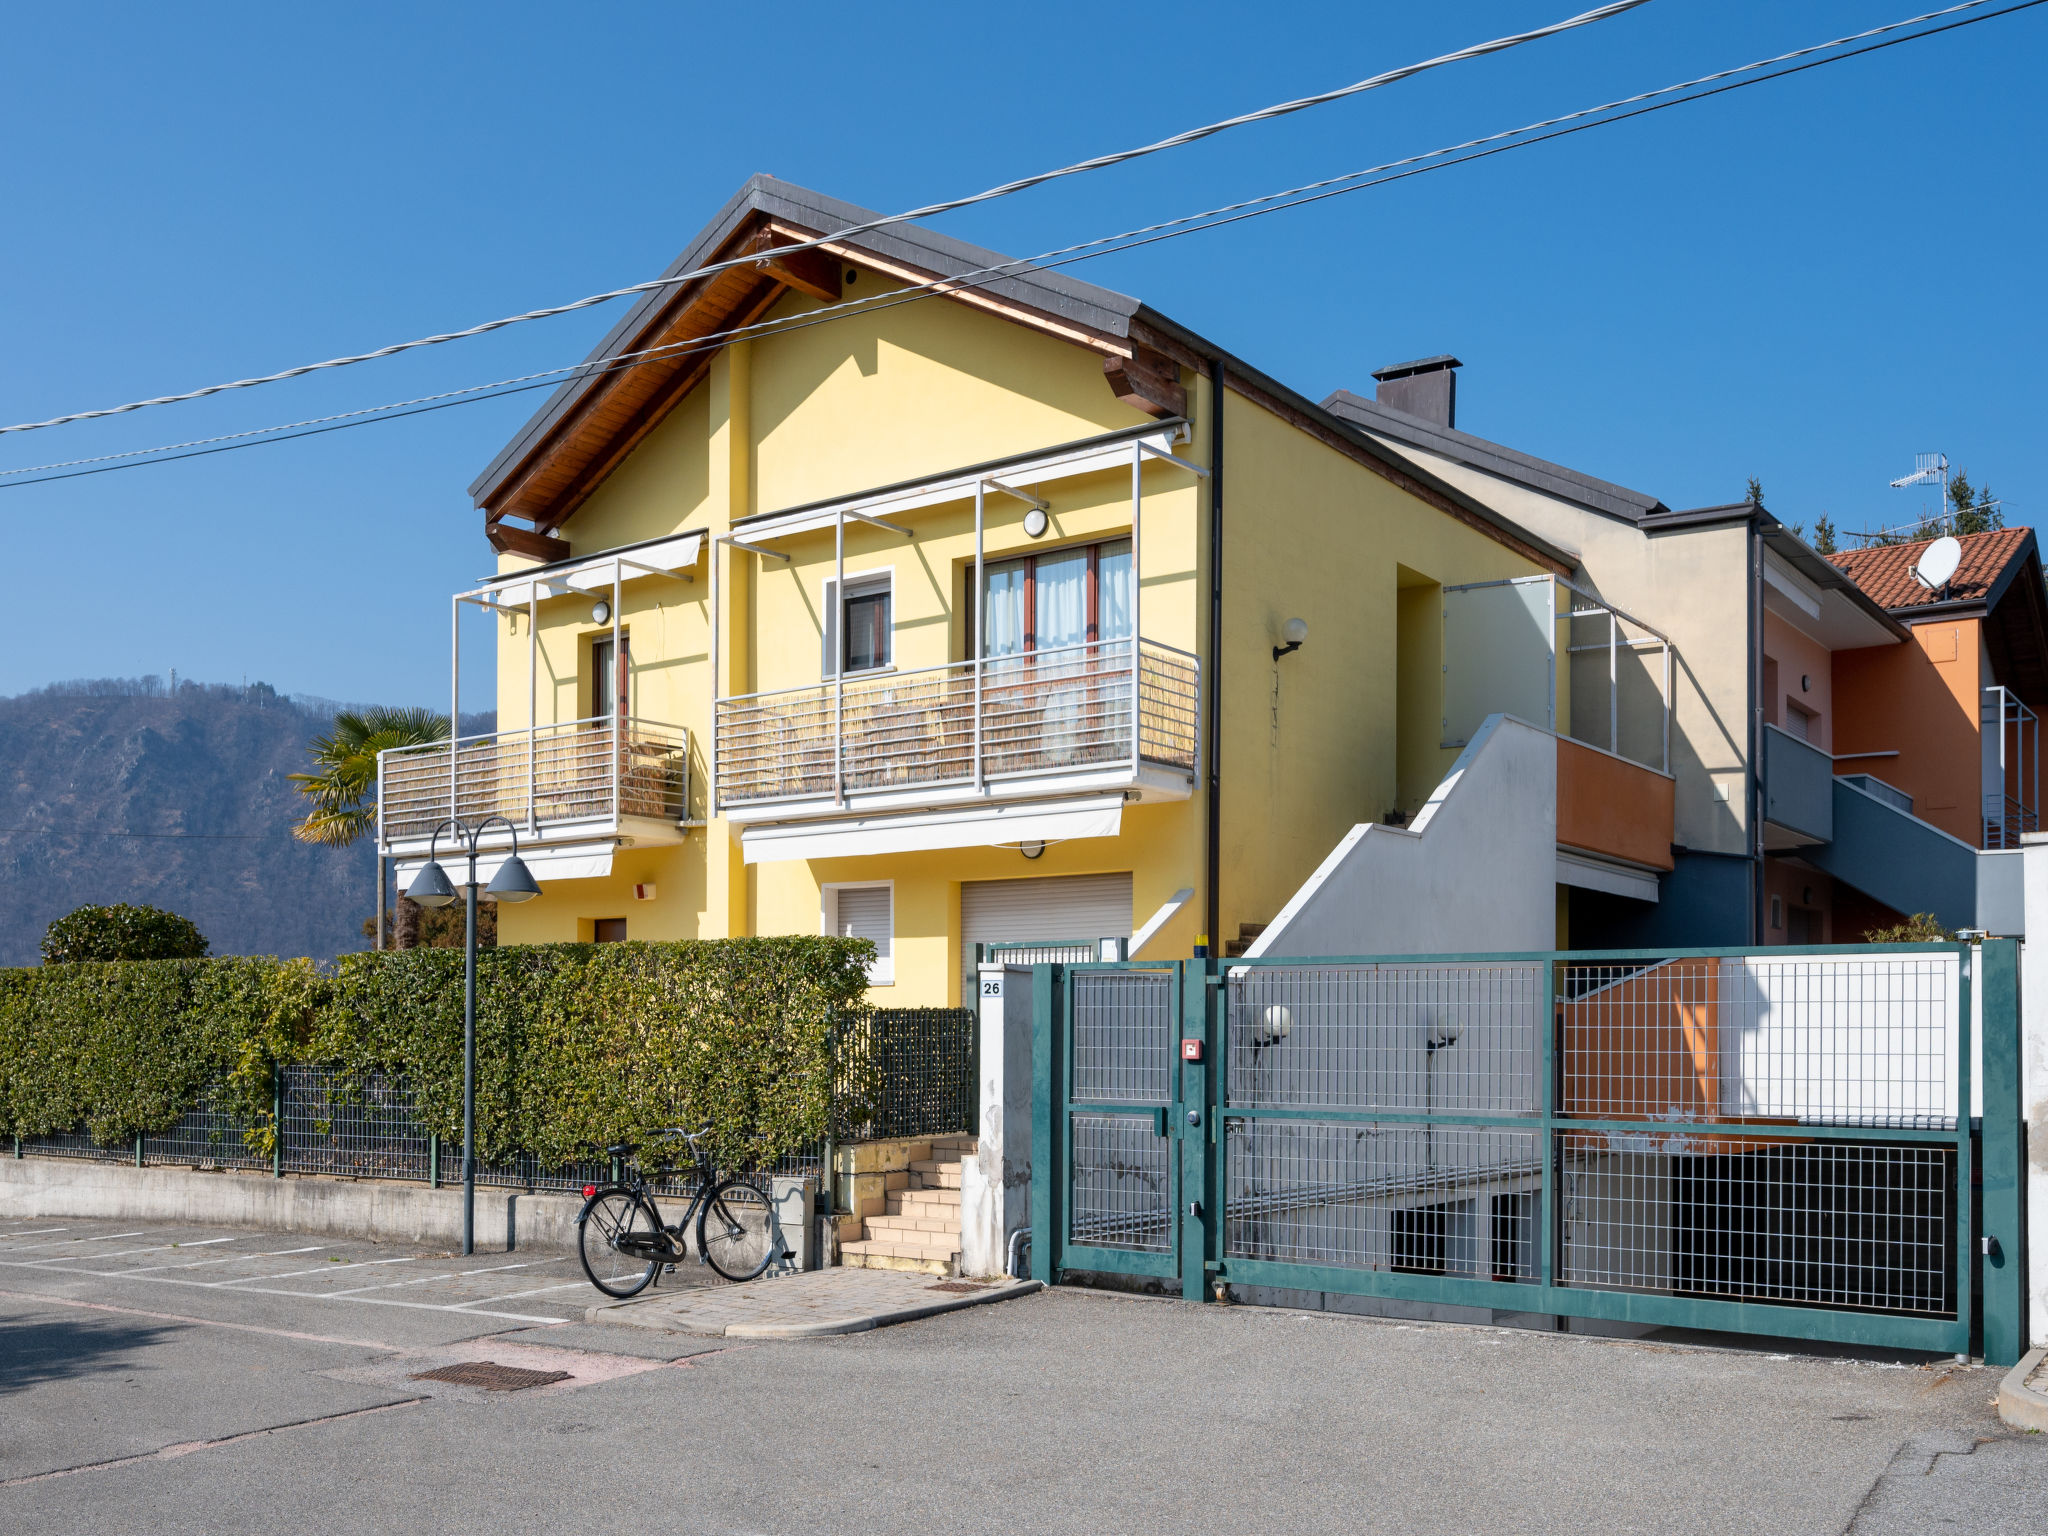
point(1590, 872)
point(567, 861)
point(667, 557)
point(1048, 821)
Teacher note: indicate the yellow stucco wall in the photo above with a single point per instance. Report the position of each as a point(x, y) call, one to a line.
point(1310, 742)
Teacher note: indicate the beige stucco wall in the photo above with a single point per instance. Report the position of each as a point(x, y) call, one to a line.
point(1694, 586)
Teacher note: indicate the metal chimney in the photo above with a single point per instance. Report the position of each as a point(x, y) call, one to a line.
point(1427, 387)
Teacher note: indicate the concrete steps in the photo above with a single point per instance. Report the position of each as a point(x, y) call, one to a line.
point(919, 1228)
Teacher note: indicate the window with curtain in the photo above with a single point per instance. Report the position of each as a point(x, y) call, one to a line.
point(607, 674)
point(1069, 597)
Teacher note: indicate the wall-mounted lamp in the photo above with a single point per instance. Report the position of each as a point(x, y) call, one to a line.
point(1275, 1023)
point(1033, 849)
point(1805, 683)
point(601, 613)
point(1036, 522)
point(1295, 633)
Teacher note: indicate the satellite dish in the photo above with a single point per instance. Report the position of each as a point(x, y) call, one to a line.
point(1937, 563)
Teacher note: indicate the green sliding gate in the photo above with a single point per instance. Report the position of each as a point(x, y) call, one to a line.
point(1777, 1141)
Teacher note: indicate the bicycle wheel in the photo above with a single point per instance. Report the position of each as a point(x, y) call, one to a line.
point(613, 1217)
point(736, 1232)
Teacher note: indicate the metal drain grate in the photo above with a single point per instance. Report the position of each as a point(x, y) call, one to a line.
point(491, 1376)
point(957, 1287)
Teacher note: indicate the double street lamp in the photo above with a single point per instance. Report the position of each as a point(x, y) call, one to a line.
point(432, 888)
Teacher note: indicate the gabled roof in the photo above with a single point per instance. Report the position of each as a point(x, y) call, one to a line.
point(763, 198)
point(1494, 459)
point(594, 419)
point(1999, 581)
point(1990, 562)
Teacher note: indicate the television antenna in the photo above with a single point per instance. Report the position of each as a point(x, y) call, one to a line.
point(1928, 469)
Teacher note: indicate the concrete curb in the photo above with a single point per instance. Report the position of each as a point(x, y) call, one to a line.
point(2023, 1395)
point(639, 1314)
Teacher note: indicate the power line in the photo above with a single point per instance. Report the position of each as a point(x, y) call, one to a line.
point(1443, 158)
point(930, 210)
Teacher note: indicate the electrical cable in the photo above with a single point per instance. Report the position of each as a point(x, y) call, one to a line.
point(1215, 218)
point(930, 210)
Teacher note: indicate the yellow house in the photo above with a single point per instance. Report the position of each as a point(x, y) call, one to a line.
point(892, 589)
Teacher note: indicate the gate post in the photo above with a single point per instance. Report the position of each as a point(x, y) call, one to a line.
point(2004, 1234)
point(1200, 1217)
point(1048, 1111)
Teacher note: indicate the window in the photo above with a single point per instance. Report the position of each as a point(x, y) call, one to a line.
point(859, 627)
point(865, 912)
point(1799, 721)
point(608, 930)
point(1069, 597)
point(609, 678)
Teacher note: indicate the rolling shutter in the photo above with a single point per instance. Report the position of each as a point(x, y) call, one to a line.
point(1062, 909)
point(863, 912)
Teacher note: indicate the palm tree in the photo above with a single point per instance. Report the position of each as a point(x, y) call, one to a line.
point(344, 791)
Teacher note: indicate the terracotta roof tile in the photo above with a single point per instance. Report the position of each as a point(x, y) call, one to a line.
point(1885, 571)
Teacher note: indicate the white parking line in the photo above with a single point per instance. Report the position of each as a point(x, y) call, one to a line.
point(292, 1274)
point(278, 1253)
point(230, 1258)
point(573, 1285)
point(69, 1241)
point(453, 1274)
point(70, 1258)
point(38, 1232)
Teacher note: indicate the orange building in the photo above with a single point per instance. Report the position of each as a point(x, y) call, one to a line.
point(1943, 728)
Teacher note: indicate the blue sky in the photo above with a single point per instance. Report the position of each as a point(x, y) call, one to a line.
point(1807, 281)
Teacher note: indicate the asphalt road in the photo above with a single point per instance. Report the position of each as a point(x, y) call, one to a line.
point(168, 1380)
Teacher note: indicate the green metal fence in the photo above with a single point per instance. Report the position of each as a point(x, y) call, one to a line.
point(1772, 1142)
point(905, 1072)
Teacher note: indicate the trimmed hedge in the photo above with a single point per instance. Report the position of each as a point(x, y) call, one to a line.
point(122, 933)
point(578, 1045)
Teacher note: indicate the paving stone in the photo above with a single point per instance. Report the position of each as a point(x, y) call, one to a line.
point(809, 1305)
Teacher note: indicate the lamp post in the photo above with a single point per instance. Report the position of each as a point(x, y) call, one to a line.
point(431, 888)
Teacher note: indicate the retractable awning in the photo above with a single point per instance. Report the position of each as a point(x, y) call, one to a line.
point(568, 861)
point(1048, 821)
point(664, 557)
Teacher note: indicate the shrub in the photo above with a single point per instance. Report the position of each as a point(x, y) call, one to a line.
point(578, 1045)
point(121, 933)
point(1920, 928)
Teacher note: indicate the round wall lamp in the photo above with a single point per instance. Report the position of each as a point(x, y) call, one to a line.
point(1805, 683)
point(1036, 522)
point(600, 613)
point(1295, 633)
point(1032, 850)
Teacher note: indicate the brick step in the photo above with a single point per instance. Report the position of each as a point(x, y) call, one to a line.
point(935, 1175)
point(907, 1222)
point(903, 1248)
point(962, 1145)
point(943, 1268)
point(928, 1210)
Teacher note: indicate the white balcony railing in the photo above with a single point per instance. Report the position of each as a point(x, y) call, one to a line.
point(576, 771)
point(963, 723)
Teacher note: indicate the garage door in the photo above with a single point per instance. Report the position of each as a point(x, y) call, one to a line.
point(1067, 910)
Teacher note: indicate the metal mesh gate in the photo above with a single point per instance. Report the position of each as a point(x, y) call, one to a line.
point(1775, 1141)
point(1118, 1115)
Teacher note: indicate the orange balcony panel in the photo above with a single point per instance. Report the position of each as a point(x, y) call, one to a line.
point(1609, 805)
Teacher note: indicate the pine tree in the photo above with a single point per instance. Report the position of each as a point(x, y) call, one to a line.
point(1823, 535)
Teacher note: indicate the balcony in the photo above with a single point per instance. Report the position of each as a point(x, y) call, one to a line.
point(581, 778)
point(1044, 723)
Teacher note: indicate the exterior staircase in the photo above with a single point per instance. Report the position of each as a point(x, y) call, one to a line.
point(1246, 933)
point(920, 1228)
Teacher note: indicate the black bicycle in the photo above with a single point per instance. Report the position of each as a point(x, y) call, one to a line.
point(624, 1243)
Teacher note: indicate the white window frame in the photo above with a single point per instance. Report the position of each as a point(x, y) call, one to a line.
point(833, 608)
point(883, 972)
